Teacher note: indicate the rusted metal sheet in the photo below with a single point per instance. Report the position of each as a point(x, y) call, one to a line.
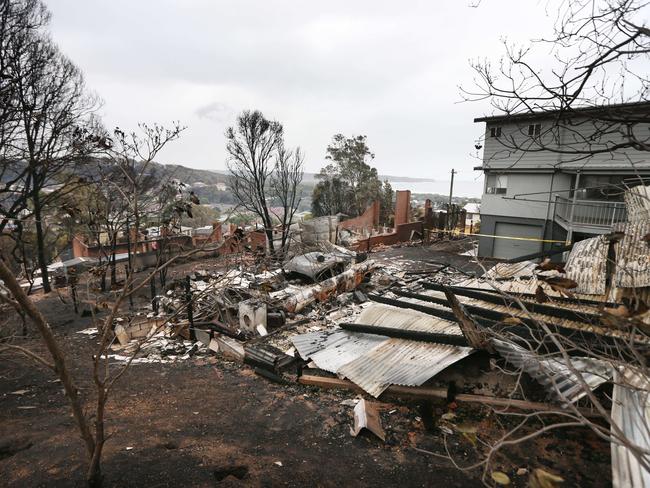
point(333, 348)
point(400, 362)
point(637, 201)
point(554, 373)
point(631, 414)
point(587, 265)
point(400, 318)
point(633, 255)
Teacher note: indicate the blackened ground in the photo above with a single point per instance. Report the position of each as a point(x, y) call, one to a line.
point(198, 424)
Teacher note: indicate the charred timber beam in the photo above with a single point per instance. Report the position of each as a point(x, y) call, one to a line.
point(532, 325)
point(421, 392)
point(414, 335)
point(441, 313)
point(555, 299)
point(472, 330)
point(526, 334)
point(498, 299)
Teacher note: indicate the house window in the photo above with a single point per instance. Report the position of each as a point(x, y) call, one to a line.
point(497, 184)
point(495, 132)
point(603, 187)
point(534, 130)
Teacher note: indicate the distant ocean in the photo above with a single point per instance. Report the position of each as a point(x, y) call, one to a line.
point(462, 188)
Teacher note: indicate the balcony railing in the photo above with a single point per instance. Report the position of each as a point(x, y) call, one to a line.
point(589, 213)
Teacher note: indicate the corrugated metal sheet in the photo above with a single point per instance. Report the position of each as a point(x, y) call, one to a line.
point(515, 285)
point(333, 348)
point(637, 201)
point(631, 413)
point(554, 373)
point(400, 318)
point(375, 362)
point(633, 255)
point(515, 311)
point(521, 285)
point(401, 362)
point(587, 265)
point(510, 270)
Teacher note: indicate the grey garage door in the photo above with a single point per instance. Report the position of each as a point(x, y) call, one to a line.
point(512, 248)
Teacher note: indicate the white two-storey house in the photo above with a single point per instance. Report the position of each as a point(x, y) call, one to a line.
point(559, 176)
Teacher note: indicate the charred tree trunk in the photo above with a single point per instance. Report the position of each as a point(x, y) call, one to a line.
point(40, 241)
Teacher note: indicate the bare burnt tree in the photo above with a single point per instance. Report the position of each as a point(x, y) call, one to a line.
point(52, 111)
point(19, 22)
point(130, 180)
point(252, 145)
point(285, 183)
point(89, 413)
point(132, 156)
point(594, 87)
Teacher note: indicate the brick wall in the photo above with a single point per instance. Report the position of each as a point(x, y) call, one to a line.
point(402, 207)
point(365, 222)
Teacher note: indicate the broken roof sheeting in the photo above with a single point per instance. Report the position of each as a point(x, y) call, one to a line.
point(633, 255)
point(554, 373)
point(510, 270)
point(631, 413)
point(637, 202)
point(587, 266)
point(333, 348)
point(401, 362)
point(405, 319)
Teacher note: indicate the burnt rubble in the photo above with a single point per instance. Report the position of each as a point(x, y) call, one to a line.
point(421, 328)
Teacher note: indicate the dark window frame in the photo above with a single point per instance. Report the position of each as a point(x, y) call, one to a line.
point(534, 130)
point(495, 131)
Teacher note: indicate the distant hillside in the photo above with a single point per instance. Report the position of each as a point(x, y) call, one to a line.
point(191, 175)
point(211, 177)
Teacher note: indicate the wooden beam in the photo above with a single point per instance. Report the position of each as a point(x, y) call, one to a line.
point(422, 392)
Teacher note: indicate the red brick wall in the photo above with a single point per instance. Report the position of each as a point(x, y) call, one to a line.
point(402, 207)
point(367, 221)
point(401, 234)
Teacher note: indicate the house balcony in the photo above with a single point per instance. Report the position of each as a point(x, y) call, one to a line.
point(588, 216)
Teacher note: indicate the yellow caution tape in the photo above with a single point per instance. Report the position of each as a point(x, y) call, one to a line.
point(458, 233)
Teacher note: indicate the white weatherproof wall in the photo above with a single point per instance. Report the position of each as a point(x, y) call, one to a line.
point(528, 187)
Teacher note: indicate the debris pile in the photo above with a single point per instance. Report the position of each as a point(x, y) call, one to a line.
point(572, 328)
point(333, 318)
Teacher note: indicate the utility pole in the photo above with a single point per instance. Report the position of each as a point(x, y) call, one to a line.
point(451, 187)
point(450, 225)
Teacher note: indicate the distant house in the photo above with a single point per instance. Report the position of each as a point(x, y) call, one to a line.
point(547, 192)
point(472, 214)
point(221, 186)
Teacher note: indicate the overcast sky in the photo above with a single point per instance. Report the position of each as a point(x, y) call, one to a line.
point(389, 70)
